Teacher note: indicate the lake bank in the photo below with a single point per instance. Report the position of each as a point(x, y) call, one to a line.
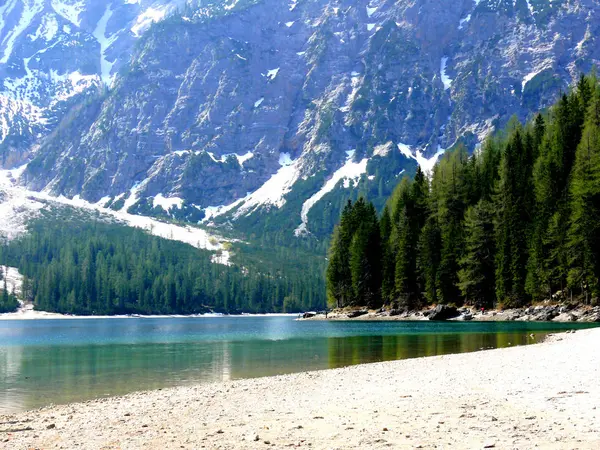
point(519, 397)
point(27, 312)
point(540, 313)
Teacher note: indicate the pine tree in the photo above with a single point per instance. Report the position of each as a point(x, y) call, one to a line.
point(451, 197)
point(387, 258)
point(405, 272)
point(477, 268)
point(429, 258)
point(513, 205)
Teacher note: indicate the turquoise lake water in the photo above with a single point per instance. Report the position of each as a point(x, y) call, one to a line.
point(45, 362)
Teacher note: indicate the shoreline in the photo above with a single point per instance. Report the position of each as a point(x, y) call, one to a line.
point(518, 397)
point(26, 312)
point(540, 313)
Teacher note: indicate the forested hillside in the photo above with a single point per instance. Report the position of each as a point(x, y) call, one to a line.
point(515, 223)
point(106, 268)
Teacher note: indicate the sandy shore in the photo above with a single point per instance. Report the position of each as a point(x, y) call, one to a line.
point(543, 396)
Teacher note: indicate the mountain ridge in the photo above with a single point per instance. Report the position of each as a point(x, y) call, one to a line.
point(274, 110)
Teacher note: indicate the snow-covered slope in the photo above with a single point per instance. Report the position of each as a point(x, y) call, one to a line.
point(18, 206)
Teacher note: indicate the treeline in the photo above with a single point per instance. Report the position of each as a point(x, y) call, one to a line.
point(81, 267)
point(517, 222)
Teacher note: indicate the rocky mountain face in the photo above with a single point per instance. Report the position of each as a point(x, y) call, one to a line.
point(55, 53)
point(262, 114)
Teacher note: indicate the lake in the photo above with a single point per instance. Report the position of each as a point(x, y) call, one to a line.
point(45, 362)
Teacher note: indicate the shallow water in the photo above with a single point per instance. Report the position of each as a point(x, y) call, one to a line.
point(45, 362)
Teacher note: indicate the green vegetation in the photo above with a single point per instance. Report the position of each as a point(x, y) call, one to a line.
point(517, 222)
point(106, 268)
point(8, 300)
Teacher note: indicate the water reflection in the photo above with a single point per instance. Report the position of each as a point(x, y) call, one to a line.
point(34, 376)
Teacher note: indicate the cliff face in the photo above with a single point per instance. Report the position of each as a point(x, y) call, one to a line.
point(269, 111)
point(54, 53)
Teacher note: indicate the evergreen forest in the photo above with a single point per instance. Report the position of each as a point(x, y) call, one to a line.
point(107, 268)
point(515, 223)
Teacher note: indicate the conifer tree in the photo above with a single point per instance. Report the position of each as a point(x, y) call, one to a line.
point(451, 195)
point(387, 257)
point(429, 258)
point(477, 268)
point(512, 222)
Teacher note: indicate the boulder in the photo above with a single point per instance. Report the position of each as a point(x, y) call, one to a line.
point(443, 312)
point(357, 313)
point(308, 315)
point(547, 314)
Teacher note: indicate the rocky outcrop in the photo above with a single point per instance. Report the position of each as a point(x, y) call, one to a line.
point(443, 312)
point(56, 54)
point(555, 313)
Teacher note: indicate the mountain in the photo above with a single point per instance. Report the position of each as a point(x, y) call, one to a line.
point(261, 115)
point(53, 53)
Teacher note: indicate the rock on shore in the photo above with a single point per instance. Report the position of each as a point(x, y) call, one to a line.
point(541, 313)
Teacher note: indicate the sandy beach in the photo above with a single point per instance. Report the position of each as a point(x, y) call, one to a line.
point(543, 396)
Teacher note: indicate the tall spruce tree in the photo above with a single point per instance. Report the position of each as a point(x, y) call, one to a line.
point(387, 257)
point(428, 258)
point(451, 196)
point(512, 222)
point(477, 266)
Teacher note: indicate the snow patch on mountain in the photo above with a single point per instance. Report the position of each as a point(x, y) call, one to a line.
point(427, 164)
point(349, 174)
point(69, 9)
point(445, 78)
point(406, 151)
point(272, 74)
point(530, 7)
point(167, 203)
point(240, 158)
point(16, 207)
point(46, 30)
point(211, 212)
point(105, 42)
point(147, 18)
point(274, 190)
point(462, 22)
point(72, 84)
point(30, 9)
point(14, 279)
point(4, 10)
